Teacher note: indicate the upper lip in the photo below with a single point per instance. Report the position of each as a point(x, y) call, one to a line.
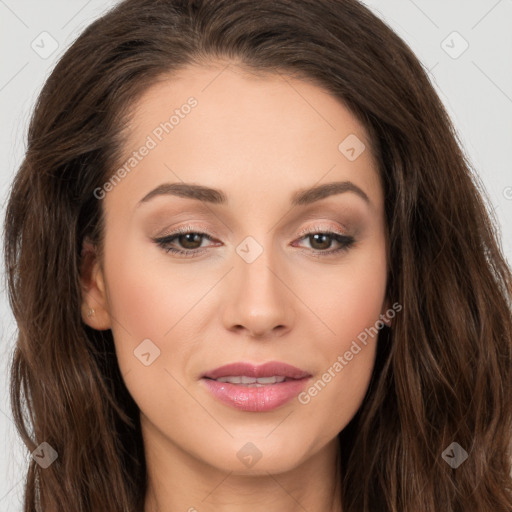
point(250, 370)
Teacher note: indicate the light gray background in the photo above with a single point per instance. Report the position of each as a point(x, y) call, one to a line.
point(476, 88)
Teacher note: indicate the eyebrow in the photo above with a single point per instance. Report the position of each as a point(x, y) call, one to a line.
point(211, 195)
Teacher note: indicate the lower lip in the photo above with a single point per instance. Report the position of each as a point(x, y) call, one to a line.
point(255, 399)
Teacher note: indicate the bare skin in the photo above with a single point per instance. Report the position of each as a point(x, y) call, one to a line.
point(258, 140)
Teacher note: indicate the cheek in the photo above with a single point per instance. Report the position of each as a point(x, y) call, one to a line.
point(146, 301)
point(149, 302)
point(335, 396)
point(148, 293)
point(338, 390)
point(349, 301)
point(348, 296)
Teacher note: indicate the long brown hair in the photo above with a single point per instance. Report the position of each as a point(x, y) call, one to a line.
point(443, 372)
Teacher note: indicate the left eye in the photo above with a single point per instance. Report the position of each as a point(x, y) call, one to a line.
point(191, 241)
point(324, 239)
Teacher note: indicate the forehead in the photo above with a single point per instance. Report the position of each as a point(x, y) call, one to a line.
point(219, 125)
point(235, 95)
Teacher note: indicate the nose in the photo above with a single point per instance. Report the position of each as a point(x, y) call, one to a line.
point(258, 301)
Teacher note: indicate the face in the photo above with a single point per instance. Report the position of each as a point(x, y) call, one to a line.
point(267, 271)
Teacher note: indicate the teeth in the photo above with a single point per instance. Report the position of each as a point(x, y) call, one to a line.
point(270, 380)
point(257, 382)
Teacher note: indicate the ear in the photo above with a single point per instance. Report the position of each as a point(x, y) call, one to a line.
point(95, 311)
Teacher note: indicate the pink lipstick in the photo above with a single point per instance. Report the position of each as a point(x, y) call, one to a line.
point(256, 388)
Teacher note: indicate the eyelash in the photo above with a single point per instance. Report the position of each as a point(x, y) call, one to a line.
point(164, 242)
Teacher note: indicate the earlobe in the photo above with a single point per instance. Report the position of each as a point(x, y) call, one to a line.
point(95, 311)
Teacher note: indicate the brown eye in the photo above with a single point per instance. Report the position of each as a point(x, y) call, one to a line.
point(190, 240)
point(322, 241)
point(183, 242)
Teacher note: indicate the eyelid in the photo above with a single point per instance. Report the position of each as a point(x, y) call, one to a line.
point(186, 229)
point(202, 229)
point(346, 241)
point(317, 228)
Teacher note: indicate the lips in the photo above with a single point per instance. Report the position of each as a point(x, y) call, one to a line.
point(270, 369)
point(255, 388)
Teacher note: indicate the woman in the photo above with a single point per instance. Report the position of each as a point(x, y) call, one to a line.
point(251, 269)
